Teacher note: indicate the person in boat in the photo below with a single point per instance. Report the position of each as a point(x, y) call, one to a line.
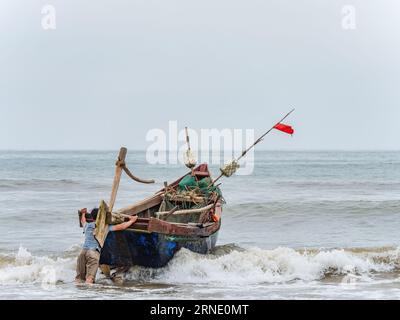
point(88, 259)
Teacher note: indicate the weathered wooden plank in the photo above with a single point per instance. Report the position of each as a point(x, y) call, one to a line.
point(160, 226)
point(117, 177)
point(196, 210)
point(142, 205)
point(180, 197)
point(100, 233)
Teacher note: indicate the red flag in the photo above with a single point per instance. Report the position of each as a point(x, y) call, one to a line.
point(284, 128)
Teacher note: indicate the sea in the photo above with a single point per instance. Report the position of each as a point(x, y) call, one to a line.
point(303, 225)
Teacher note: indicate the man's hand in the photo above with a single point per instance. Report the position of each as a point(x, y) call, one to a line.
point(83, 216)
point(133, 219)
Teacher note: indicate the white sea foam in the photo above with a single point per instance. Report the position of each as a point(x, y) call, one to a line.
point(249, 266)
point(269, 266)
point(27, 268)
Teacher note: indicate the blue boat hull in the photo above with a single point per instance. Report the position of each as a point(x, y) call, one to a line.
point(128, 248)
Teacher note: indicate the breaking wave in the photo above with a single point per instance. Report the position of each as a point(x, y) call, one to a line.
point(255, 265)
point(23, 267)
point(229, 264)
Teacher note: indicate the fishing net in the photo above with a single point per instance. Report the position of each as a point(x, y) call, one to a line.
point(189, 159)
point(230, 168)
point(188, 182)
point(189, 194)
point(202, 187)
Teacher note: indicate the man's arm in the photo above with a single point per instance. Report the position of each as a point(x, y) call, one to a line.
point(125, 225)
point(83, 216)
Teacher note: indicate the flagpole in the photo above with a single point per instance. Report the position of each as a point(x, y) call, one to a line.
point(256, 142)
point(261, 138)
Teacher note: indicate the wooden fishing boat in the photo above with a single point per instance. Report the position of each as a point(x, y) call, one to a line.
point(184, 214)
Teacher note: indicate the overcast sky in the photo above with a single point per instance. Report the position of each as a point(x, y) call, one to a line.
point(113, 70)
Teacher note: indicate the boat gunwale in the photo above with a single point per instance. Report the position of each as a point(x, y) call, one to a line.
point(156, 196)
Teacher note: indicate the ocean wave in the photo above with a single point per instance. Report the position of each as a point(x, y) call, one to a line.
point(228, 264)
point(47, 184)
point(309, 206)
point(32, 183)
point(23, 267)
point(343, 183)
point(255, 265)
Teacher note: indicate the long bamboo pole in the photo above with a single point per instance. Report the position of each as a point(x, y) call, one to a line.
point(256, 142)
point(189, 162)
point(187, 138)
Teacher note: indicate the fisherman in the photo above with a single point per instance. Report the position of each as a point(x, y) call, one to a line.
point(88, 260)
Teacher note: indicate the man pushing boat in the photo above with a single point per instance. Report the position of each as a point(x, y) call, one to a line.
point(184, 214)
point(88, 259)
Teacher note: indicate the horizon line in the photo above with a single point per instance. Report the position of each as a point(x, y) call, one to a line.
point(200, 150)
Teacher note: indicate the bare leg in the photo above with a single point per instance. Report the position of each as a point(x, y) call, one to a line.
point(81, 268)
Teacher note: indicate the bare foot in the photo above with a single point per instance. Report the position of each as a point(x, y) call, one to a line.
point(89, 280)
